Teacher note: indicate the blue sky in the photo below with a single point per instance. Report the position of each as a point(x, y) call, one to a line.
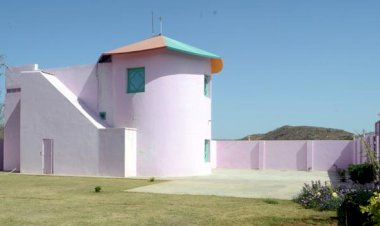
point(286, 62)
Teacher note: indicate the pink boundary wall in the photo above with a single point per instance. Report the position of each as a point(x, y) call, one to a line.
point(286, 155)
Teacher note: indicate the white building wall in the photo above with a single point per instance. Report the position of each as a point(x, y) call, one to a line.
point(130, 148)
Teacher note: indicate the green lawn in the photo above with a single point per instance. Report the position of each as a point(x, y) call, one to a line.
point(54, 200)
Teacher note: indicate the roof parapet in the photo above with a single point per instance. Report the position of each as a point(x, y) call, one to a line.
point(21, 68)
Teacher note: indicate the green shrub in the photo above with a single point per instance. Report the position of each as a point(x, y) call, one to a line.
point(152, 179)
point(362, 173)
point(349, 212)
point(319, 196)
point(98, 189)
point(342, 174)
point(373, 209)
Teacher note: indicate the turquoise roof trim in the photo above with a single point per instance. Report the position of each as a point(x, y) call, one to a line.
point(185, 48)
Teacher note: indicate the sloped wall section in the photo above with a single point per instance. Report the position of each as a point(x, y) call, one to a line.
point(45, 108)
point(50, 111)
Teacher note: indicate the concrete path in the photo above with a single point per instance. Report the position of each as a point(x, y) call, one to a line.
point(239, 183)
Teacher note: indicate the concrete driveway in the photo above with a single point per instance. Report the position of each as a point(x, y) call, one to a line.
point(239, 183)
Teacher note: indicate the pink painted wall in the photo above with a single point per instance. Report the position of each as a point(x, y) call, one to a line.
point(74, 77)
point(82, 81)
point(172, 116)
point(285, 155)
point(116, 155)
point(47, 114)
point(1, 155)
point(328, 153)
point(237, 154)
point(81, 144)
point(12, 132)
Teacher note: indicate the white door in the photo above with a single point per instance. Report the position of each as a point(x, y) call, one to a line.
point(47, 156)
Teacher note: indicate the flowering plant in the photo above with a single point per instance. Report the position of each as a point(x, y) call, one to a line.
point(319, 196)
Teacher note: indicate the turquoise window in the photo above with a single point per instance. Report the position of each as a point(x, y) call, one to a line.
point(102, 115)
point(207, 151)
point(207, 85)
point(135, 80)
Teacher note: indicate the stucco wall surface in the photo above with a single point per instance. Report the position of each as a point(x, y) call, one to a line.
point(82, 81)
point(1, 155)
point(172, 116)
point(285, 155)
point(11, 154)
point(47, 114)
point(237, 154)
point(328, 153)
point(117, 152)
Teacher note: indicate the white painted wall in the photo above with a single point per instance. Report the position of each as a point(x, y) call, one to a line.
point(130, 139)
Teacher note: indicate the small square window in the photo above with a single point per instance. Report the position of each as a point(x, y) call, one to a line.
point(207, 85)
point(207, 151)
point(135, 80)
point(102, 115)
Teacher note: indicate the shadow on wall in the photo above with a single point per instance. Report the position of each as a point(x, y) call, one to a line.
point(342, 162)
point(95, 116)
point(237, 154)
point(255, 155)
point(301, 158)
point(345, 158)
point(89, 92)
point(1, 154)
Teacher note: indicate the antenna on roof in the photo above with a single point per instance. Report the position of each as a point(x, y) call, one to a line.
point(160, 25)
point(152, 24)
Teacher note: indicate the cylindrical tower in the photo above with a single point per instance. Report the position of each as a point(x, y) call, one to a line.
point(166, 96)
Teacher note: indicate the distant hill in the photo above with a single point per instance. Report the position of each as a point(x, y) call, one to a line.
point(302, 133)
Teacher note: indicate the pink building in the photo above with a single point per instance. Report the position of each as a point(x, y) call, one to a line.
point(141, 110)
